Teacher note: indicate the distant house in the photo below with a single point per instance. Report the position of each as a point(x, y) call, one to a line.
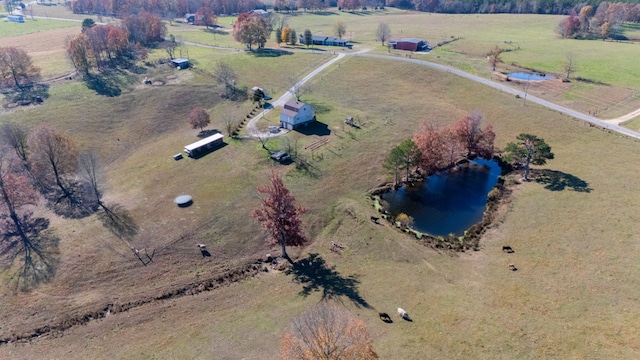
point(296, 113)
point(259, 12)
point(15, 18)
point(410, 44)
point(180, 63)
point(326, 41)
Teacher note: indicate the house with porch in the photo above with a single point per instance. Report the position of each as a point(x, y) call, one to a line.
point(295, 114)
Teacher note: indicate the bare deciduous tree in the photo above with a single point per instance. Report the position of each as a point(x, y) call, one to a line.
point(383, 32)
point(53, 157)
point(15, 135)
point(227, 76)
point(494, 56)
point(570, 65)
point(327, 332)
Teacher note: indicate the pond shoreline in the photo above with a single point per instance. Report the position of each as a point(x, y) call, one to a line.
point(470, 240)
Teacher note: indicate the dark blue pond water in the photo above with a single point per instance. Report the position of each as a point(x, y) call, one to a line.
point(448, 202)
point(529, 76)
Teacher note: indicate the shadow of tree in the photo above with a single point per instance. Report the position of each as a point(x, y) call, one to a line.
point(36, 252)
point(119, 221)
point(106, 84)
point(558, 181)
point(266, 52)
point(206, 133)
point(314, 274)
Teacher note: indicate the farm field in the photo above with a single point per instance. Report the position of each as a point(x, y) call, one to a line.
point(575, 233)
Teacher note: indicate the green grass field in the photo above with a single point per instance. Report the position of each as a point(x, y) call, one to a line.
point(573, 296)
point(30, 26)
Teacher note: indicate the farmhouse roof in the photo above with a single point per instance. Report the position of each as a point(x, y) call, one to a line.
point(289, 113)
point(411, 40)
point(294, 105)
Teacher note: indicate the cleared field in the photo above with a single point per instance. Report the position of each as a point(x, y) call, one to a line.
point(575, 235)
point(9, 29)
point(47, 49)
point(612, 89)
point(572, 296)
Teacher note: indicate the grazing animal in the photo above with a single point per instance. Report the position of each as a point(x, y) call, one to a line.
point(403, 314)
point(508, 249)
point(376, 220)
point(203, 250)
point(385, 317)
point(335, 244)
point(513, 267)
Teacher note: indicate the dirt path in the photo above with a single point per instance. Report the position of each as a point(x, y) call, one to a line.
point(623, 118)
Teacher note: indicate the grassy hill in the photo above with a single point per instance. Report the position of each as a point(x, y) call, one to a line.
point(574, 235)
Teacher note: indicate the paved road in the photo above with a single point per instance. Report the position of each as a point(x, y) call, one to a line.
point(606, 124)
point(612, 124)
point(561, 109)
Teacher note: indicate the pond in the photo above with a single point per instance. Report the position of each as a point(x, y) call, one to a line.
point(447, 202)
point(529, 76)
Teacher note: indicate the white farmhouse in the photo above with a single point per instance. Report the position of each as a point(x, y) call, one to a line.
point(296, 113)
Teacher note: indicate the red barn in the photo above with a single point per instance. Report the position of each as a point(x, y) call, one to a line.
point(410, 44)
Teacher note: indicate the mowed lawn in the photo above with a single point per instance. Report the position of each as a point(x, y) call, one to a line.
point(574, 295)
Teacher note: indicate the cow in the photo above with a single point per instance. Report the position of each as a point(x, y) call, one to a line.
point(513, 267)
point(376, 220)
point(403, 314)
point(385, 317)
point(508, 249)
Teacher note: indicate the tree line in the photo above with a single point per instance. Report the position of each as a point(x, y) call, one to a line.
point(436, 148)
point(168, 9)
point(602, 22)
point(497, 6)
point(107, 46)
point(433, 149)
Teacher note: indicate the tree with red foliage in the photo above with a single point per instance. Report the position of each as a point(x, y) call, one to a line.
point(145, 28)
point(452, 149)
point(199, 118)
point(205, 16)
point(477, 141)
point(569, 26)
point(79, 52)
point(280, 216)
point(430, 143)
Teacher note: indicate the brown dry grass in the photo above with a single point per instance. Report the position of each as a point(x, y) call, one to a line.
point(572, 297)
point(47, 49)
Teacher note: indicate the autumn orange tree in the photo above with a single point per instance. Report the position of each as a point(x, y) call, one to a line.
point(199, 118)
point(279, 215)
point(252, 29)
point(16, 68)
point(431, 145)
point(327, 332)
point(205, 16)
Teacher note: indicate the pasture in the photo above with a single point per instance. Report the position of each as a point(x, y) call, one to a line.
point(574, 230)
